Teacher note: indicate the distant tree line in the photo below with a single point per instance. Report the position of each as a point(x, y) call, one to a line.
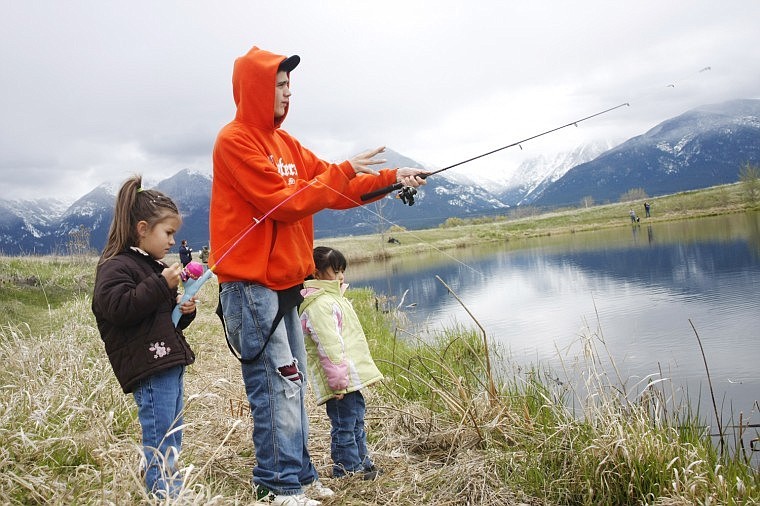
point(749, 177)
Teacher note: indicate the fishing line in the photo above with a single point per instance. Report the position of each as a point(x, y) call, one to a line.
point(255, 221)
point(406, 232)
point(408, 196)
point(676, 84)
point(192, 288)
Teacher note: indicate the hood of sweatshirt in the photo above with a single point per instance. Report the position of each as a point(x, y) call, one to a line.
point(253, 86)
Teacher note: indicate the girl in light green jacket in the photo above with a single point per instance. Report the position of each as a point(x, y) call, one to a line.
point(339, 362)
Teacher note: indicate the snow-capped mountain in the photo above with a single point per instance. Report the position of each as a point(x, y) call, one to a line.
point(440, 199)
point(703, 147)
point(534, 175)
point(700, 148)
point(25, 225)
point(44, 227)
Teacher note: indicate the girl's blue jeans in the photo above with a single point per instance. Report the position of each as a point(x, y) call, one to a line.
point(348, 446)
point(275, 384)
point(159, 401)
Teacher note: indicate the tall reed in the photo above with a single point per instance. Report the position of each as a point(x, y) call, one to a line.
point(623, 444)
point(70, 436)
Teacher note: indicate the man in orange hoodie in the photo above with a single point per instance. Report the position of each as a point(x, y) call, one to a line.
point(266, 188)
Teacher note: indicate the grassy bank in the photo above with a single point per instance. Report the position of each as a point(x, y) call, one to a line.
point(442, 427)
point(524, 223)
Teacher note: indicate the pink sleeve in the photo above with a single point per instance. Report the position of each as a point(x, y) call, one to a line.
point(336, 371)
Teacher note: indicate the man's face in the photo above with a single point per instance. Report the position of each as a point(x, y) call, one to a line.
point(281, 94)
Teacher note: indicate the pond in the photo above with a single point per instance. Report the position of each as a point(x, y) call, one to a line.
point(649, 293)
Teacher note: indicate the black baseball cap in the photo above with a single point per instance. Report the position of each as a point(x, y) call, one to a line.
point(289, 63)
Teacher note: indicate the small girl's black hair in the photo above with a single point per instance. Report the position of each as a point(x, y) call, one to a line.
point(325, 257)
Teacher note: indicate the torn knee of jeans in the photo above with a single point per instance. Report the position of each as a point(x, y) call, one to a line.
point(290, 372)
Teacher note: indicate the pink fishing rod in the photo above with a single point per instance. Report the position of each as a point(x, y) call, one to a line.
point(192, 282)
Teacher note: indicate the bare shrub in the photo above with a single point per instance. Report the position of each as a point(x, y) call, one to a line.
point(749, 177)
point(633, 194)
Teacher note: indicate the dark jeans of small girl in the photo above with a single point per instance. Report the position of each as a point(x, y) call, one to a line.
point(160, 401)
point(348, 446)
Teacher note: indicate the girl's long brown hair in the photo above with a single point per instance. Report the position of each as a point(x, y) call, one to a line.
point(133, 205)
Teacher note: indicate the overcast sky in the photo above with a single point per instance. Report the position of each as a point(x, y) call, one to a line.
point(94, 91)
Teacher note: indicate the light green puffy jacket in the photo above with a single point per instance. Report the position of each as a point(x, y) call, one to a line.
point(339, 360)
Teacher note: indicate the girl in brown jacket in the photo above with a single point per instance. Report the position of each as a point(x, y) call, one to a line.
point(135, 293)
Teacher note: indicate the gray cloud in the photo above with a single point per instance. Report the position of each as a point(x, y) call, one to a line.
point(94, 92)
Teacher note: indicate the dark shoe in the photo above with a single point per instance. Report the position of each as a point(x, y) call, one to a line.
point(262, 493)
point(371, 473)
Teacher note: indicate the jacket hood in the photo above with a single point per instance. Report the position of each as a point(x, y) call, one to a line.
point(253, 85)
point(315, 287)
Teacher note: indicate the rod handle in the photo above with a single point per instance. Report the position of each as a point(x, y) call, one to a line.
point(382, 191)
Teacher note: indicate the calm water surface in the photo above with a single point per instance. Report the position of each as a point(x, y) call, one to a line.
point(640, 289)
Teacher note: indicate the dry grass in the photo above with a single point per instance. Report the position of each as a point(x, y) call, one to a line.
point(442, 435)
point(70, 436)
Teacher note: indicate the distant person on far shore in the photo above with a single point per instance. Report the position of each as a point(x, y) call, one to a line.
point(634, 218)
point(185, 253)
point(204, 256)
point(646, 209)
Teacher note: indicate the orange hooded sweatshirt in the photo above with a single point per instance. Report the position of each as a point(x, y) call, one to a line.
point(258, 169)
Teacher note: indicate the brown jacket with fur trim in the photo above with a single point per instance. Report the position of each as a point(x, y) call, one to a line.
point(133, 306)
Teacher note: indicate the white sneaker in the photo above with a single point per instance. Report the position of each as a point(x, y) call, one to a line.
point(316, 489)
point(293, 500)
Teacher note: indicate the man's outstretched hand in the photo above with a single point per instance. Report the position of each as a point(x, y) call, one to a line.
point(362, 162)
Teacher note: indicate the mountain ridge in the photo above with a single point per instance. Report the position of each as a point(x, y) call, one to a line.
point(702, 147)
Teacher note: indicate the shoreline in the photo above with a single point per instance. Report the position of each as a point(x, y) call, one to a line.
point(439, 428)
point(459, 233)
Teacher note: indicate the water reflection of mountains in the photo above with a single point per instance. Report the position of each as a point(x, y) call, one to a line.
point(685, 268)
point(681, 268)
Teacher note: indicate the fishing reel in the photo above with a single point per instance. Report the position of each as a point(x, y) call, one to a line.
point(406, 194)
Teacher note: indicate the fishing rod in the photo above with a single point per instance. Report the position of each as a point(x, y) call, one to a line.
point(407, 193)
point(194, 284)
point(407, 196)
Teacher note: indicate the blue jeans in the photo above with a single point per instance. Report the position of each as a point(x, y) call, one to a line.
point(160, 401)
point(275, 384)
point(348, 446)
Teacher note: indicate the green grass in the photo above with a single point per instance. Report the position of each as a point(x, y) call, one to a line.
point(438, 427)
point(513, 226)
point(445, 427)
point(32, 286)
point(624, 449)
